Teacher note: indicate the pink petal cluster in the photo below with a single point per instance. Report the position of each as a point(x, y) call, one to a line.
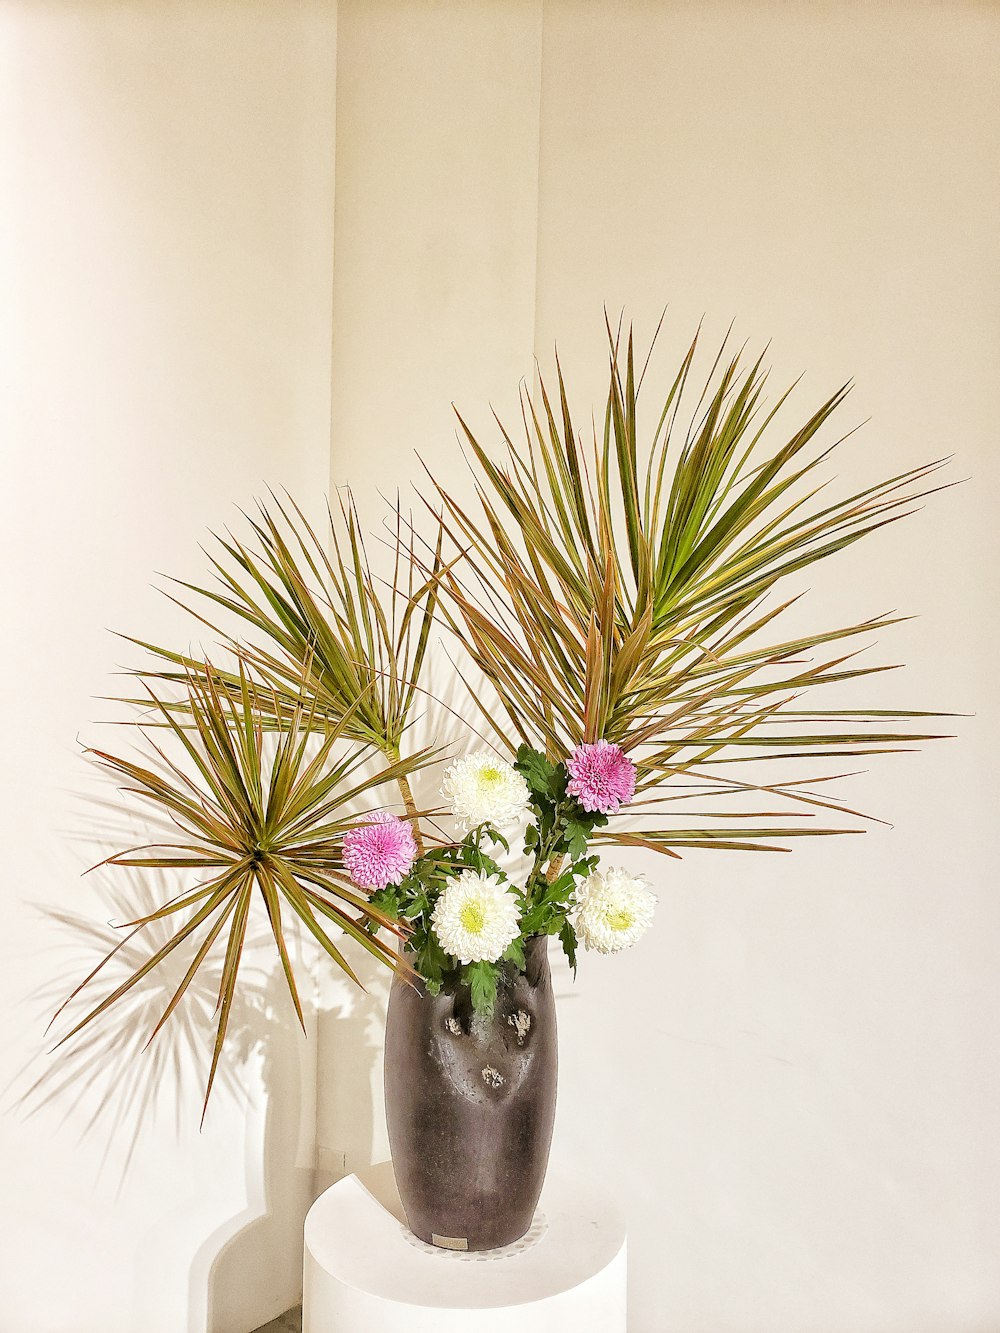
point(380, 851)
point(602, 777)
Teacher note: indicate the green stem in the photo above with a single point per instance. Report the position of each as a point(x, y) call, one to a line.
point(545, 853)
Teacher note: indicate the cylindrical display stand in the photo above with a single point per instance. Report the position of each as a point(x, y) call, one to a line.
point(365, 1272)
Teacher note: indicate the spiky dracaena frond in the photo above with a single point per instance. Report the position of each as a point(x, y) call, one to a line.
point(629, 592)
point(261, 790)
point(304, 618)
point(320, 615)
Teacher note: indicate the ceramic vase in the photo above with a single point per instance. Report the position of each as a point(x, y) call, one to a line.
point(470, 1102)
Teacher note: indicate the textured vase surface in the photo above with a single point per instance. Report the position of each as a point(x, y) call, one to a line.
point(470, 1103)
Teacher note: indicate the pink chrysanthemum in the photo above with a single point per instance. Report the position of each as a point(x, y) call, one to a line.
point(380, 851)
point(602, 777)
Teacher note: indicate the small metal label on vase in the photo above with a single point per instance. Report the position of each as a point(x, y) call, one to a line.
point(450, 1242)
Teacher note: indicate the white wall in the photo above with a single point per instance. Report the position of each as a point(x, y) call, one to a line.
point(168, 202)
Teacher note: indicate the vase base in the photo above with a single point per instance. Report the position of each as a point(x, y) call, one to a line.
point(467, 1250)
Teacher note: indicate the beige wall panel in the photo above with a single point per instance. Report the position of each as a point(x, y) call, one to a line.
point(434, 271)
point(434, 285)
point(792, 1079)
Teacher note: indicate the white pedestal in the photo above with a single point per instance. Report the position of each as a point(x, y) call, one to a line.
point(365, 1272)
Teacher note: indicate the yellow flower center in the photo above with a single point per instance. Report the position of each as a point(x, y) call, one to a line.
point(622, 919)
point(473, 917)
point(491, 775)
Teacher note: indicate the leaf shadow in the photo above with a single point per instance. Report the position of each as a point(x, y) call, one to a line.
point(107, 1081)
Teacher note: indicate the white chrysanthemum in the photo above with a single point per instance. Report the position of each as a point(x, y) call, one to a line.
point(485, 790)
point(613, 909)
point(476, 918)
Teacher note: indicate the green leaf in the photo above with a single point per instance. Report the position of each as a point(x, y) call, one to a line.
point(576, 835)
point(388, 900)
point(494, 836)
point(536, 770)
point(431, 960)
point(567, 938)
point(482, 981)
point(515, 953)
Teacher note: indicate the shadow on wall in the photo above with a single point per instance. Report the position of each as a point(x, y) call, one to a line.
point(109, 1080)
point(350, 1123)
point(249, 1270)
point(105, 1084)
point(138, 1101)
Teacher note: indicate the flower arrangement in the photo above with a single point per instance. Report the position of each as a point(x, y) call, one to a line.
point(613, 609)
point(464, 914)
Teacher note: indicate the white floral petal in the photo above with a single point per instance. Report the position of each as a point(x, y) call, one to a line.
point(613, 909)
point(476, 918)
point(482, 789)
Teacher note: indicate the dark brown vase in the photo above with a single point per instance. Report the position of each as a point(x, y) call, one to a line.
point(470, 1103)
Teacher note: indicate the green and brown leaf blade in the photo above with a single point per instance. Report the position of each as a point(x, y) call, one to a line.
point(626, 592)
point(317, 619)
point(261, 792)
